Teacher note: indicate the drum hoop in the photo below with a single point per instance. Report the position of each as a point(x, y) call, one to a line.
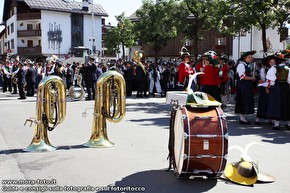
point(223, 141)
point(188, 127)
point(176, 160)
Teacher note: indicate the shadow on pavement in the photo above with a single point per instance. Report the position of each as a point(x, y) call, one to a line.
point(162, 181)
point(164, 122)
point(14, 151)
point(149, 107)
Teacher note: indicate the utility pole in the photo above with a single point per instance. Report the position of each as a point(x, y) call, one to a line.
point(93, 29)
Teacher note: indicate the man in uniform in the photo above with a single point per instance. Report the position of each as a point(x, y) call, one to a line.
point(21, 81)
point(30, 78)
point(89, 74)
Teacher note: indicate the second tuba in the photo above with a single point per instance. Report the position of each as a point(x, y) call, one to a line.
point(77, 93)
point(138, 56)
point(109, 105)
point(50, 111)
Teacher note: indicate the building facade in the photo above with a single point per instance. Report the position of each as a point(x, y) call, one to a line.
point(252, 40)
point(36, 29)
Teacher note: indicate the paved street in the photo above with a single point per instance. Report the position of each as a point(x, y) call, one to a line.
point(138, 159)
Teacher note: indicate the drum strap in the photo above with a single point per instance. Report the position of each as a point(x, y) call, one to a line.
point(171, 139)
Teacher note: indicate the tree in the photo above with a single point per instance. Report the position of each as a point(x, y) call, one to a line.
point(198, 16)
point(156, 26)
point(122, 35)
point(263, 14)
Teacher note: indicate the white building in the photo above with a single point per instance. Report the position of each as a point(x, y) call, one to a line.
point(39, 28)
point(252, 40)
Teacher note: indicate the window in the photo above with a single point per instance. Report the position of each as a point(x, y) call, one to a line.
point(8, 30)
point(12, 44)
point(29, 43)
point(29, 27)
point(221, 41)
point(12, 27)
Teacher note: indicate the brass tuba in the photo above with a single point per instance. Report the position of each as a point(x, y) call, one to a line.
point(75, 93)
point(109, 104)
point(50, 111)
point(138, 56)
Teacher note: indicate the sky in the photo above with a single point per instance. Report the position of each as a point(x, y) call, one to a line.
point(112, 7)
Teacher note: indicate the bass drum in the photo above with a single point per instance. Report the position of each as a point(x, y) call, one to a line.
point(200, 142)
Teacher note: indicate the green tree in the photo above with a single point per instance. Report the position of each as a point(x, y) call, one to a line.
point(122, 35)
point(263, 14)
point(198, 16)
point(156, 24)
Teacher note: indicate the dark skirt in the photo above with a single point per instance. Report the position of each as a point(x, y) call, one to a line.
point(245, 97)
point(262, 103)
point(212, 90)
point(274, 103)
point(285, 101)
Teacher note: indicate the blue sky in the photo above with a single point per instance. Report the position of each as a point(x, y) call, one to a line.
point(112, 7)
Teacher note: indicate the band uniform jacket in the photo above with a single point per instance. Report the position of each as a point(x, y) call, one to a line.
point(21, 76)
point(30, 75)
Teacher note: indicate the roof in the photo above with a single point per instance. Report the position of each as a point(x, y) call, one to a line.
point(63, 6)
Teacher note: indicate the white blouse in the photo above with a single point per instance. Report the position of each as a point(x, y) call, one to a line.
point(271, 75)
point(241, 70)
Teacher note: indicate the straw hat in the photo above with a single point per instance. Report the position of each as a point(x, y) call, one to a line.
point(243, 172)
point(246, 173)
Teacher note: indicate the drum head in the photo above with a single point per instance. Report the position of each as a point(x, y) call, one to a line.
point(178, 141)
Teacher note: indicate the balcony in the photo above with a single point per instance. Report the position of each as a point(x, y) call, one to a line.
point(28, 16)
point(29, 50)
point(28, 33)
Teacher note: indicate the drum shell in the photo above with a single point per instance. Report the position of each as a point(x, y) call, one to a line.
point(205, 142)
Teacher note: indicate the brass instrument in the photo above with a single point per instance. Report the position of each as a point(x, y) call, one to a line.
point(14, 79)
point(74, 93)
point(109, 104)
point(138, 56)
point(50, 111)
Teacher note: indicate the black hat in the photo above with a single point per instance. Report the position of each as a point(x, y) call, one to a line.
point(224, 57)
point(245, 54)
point(280, 56)
point(20, 63)
point(91, 58)
point(211, 56)
point(267, 59)
point(29, 62)
point(184, 52)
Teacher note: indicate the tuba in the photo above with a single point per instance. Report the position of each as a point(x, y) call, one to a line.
point(50, 111)
point(109, 104)
point(75, 93)
point(138, 56)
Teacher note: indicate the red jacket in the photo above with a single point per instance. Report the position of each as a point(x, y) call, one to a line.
point(225, 70)
point(200, 68)
point(211, 75)
point(184, 70)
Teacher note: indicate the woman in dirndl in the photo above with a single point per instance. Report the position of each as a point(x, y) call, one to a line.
point(273, 91)
point(245, 87)
point(268, 62)
point(283, 80)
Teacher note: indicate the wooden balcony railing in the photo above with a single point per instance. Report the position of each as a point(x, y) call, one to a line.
point(28, 33)
point(28, 16)
point(29, 50)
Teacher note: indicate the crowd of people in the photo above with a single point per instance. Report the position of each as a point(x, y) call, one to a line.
point(216, 75)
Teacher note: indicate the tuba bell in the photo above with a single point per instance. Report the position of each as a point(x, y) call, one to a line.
point(138, 56)
point(109, 104)
point(76, 93)
point(50, 111)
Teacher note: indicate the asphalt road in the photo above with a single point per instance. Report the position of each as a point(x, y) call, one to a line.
point(136, 163)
